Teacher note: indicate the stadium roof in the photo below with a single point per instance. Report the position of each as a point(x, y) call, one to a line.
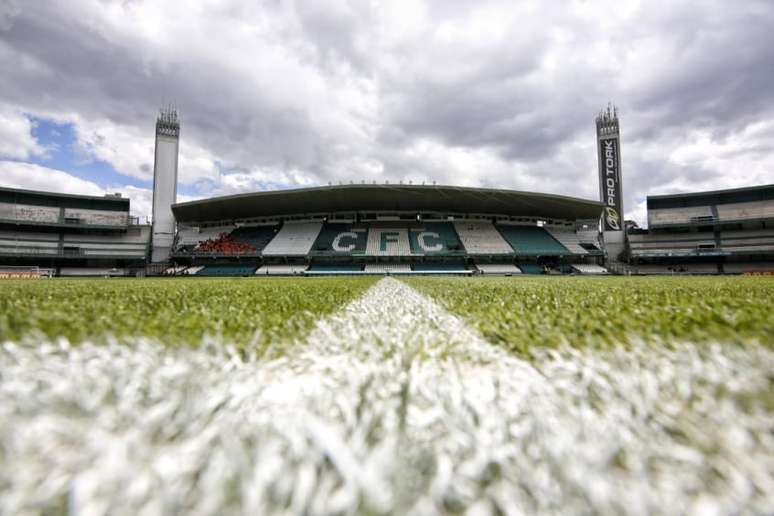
point(386, 198)
point(730, 195)
point(37, 197)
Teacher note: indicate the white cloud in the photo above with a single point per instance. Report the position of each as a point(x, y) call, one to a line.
point(474, 92)
point(16, 138)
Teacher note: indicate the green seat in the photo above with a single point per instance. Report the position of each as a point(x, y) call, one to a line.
point(531, 241)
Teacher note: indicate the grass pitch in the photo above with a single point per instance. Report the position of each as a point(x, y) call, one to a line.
point(519, 313)
point(522, 314)
point(175, 311)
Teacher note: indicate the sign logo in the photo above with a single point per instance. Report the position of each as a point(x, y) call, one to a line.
point(612, 219)
point(610, 181)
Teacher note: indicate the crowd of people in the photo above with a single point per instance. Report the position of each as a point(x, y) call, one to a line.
point(224, 244)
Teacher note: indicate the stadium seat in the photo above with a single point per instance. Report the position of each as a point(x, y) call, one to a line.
point(388, 241)
point(334, 268)
point(498, 268)
point(340, 239)
point(671, 244)
point(385, 268)
point(745, 211)
point(435, 238)
point(569, 239)
point(676, 216)
point(226, 270)
point(531, 240)
point(532, 268)
point(589, 268)
point(257, 237)
point(446, 267)
point(481, 237)
point(280, 270)
point(293, 239)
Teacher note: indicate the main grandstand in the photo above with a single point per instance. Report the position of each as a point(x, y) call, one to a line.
point(396, 229)
point(723, 231)
point(70, 235)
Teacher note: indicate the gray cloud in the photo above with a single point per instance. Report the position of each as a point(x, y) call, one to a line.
point(485, 93)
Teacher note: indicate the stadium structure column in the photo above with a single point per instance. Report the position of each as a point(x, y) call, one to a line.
point(164, 184)
point(611, 195)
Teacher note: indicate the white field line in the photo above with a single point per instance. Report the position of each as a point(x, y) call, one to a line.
point(391, 406)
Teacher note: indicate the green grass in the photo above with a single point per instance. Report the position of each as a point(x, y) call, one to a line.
point(521, 313)
point(175, 311)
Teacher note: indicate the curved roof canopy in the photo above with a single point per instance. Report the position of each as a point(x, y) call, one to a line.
point(386, 198)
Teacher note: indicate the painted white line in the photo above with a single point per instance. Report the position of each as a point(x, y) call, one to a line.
point(394, 406)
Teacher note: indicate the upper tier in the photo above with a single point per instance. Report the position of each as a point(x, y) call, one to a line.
point(31, 208)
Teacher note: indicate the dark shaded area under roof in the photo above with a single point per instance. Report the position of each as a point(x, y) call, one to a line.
point(386, 198)
point(731, 195)
point(38, 198)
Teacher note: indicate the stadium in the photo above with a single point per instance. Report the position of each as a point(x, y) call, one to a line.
point(387, 349)
point(387, 229)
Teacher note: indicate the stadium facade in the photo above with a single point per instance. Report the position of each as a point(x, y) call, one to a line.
point(724, 231)
point(394, 229)
point(70, 235)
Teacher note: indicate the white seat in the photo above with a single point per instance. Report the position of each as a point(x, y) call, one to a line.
point(589, 268)
point(293, 239)
point(280, 270)
point(481, 237)
point(384, 268)
point(498, 268)
point(395, 241)
point(569, 239)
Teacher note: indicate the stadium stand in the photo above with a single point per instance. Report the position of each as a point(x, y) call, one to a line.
point(257, 237)
point(29, 213)
point(192, 235)
point(226, 270)
point(677, 216)
point(498, 268)
point(441, 268)
point(280, 270)
point(340, 239)
point(531, 240)
point(28, 243)
point(435, 238)
point(95, 217)
point(589, 240)
point(747, 241)
point(387, 268)
point(132, 243)
point(92, 271)
point(581, 242)
point(589, 268)
point(672, 244)
point(334, 268)
point(388, 241)
point(674, 269)
point(532, 268)
point(481, 237)
point(744, 211)
point(293, 239)
point(224, 245)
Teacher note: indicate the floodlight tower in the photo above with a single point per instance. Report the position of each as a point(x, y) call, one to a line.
point(164, 184)
point(610, 192)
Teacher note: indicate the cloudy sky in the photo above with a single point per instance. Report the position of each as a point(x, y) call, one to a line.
point(282, 94)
